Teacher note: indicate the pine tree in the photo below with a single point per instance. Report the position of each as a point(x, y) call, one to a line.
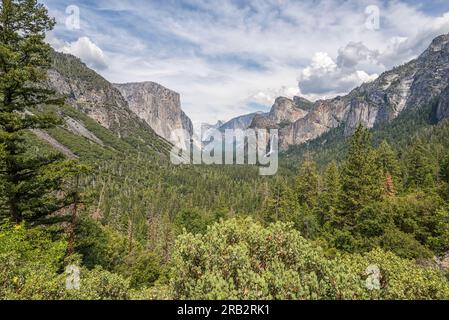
point(420, 169)
point(30, 180)
point(361, 180)
point(387, 161)
point(331, 195)
point(389, 167)
point(444, 170)
point(444, 174)
point(281, 204)
point(307, 185)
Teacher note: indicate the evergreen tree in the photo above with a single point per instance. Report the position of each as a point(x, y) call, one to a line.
point(307, 185)
point(29, 180)
point(387, 161)
point(281, 204)
point(389, 168)
point(331, 194)
point(444, 174)
point(420, 168)
point(361, 181)
point(444, 170)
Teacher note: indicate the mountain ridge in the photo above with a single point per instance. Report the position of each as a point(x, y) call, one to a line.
point(242, 122)
point(88, 93)
point(283, 112)
point(413, 84)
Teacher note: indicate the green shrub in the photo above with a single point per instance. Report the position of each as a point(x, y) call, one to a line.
point(31, 265)
point(240, 259)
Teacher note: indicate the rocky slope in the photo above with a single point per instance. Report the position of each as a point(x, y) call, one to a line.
point(419, 82)
point(158, 106)
point(94, 96)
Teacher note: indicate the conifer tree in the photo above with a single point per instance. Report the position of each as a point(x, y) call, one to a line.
point(331, 194)
point(387, 160)
point(444, 174)
point(30, 180)
point(420, 171)
point(444, 171)
point(389, 167)
point(307, 184)
point(281, 204)
point(361, 181)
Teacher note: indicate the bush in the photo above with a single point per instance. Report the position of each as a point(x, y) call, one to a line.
point(240, 259)
point(400, 278)
point(102, 246)
point(31, 265)
point(142, 268)
point(99, 245)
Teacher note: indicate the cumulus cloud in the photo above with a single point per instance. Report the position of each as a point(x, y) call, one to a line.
point(88, 52)
point(355, 53)
point(412, 33)
point(267, 96)
point(324, 77)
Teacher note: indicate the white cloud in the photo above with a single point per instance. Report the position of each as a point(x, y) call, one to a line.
point(324, 77)
point(410, 33)
point(321, 65)
point(267, 96)
point(355, 53)
point(88, 52)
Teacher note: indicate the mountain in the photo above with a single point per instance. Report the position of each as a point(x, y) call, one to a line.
point(284, 112)
point(241, 122)
point(96, 114)
point(158, 106)
point(411, 85)
point(145, 114)
point(207, 128)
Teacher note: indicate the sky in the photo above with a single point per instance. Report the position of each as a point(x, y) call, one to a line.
point(232, 57)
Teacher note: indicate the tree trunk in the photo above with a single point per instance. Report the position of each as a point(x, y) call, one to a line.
point(16, 215)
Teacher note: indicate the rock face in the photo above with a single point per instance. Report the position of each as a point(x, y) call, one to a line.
point(414, 84)
point(443, 105)
point(158, 106)
point(284, 112)
point(102, 103)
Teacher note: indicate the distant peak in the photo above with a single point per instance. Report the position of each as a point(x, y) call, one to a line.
point(218, 124)
point(444, 38)
point(438, 44)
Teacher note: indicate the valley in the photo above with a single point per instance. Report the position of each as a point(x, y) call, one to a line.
point(87, 183)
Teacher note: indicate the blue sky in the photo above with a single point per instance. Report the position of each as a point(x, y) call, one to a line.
point(226, 57)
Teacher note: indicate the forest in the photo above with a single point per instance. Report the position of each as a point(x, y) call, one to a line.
point(138, 227)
